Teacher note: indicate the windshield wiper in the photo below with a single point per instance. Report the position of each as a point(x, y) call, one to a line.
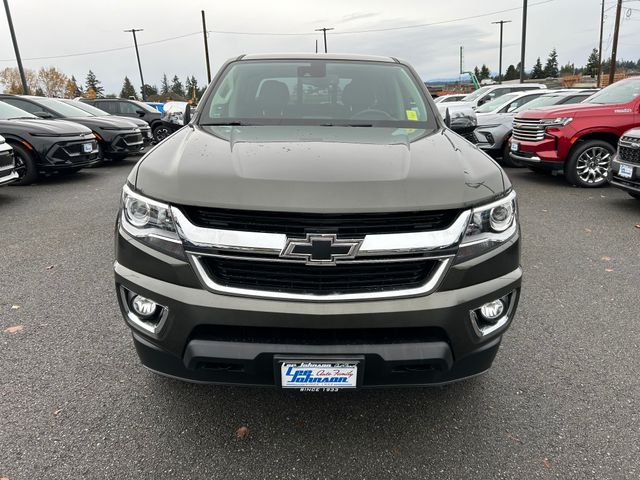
point(225, 124)
point(329, 124)
point(21, 118)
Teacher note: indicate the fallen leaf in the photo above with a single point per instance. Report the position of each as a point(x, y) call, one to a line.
point(4, 478)
point(55, 414)
point(242, 433)
point(608, 269)
point(588, 230)
point(514, 438)
point(15, 307)
point(14, 329)
point(638, 225)
point(606, 259)
point(50, 267)
point(546, 463)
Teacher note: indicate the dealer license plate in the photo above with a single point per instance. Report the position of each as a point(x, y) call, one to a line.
point(87, 147)
point(310, 375)
point(515, 146)
point(626, 171)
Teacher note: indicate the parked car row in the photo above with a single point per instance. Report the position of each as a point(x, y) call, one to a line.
point(591, 136)
point(49, 135)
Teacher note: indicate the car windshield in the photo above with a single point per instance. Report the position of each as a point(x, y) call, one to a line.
point(62, 108)
point(144, 106)
point(620, 92)
point(477, 94)
point(496, 103)
point(86, 107)
point(317, 92)
point(8, 112)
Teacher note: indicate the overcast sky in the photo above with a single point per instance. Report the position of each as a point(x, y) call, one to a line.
point(52, 28)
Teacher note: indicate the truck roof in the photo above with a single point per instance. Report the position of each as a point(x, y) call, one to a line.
point(317, 56)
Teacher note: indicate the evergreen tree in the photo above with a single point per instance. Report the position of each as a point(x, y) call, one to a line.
point(568, 69)
point(592, 63)
point(128, 90)
point(484, 72)
point(476, 72)
point(150, 90)
point(176, 86)
point(164, 85)
point(551, 67)
point(92, 83)
point(511, 73)
point(537, 71)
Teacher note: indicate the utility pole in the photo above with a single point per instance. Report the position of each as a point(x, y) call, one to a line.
point(600, 47)
point(135, 42)
point(501, 23)
point(316, 45)
point(524, 39)
point(614, 49)
point(324, 31)
point(25, 87)
point(206, 47)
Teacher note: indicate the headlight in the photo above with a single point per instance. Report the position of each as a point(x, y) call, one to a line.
point(490, 226)
point(150, 222)
point(556, 122)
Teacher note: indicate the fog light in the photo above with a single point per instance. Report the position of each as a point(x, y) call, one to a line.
point(143, 306)
point(492, 311)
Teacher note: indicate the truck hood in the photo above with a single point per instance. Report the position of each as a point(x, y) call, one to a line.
point(573, 110)
point(318, 169)
point(53, 128)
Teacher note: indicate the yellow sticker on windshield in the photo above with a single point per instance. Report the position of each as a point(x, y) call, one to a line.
point(412, 115)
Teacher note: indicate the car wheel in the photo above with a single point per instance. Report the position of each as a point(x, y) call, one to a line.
point(507, 161)
point(161, 132)
point(588, 164)
point(25, 166)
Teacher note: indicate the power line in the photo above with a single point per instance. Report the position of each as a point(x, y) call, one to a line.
point(229, 32)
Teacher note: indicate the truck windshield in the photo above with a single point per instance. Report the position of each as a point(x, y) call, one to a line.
point(317, 92)
point(477, 94)
point(496, 103)
point(620, 92)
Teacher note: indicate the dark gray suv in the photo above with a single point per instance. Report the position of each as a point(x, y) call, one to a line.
point(133, 109)
point(318, 226)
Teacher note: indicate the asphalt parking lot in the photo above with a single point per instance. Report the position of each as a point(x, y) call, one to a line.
point(562, 399)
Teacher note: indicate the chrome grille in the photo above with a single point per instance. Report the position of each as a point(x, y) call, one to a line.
point(528, 130)
point(629, 150)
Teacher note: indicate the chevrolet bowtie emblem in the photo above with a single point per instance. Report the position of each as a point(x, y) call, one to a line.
point(320, 249)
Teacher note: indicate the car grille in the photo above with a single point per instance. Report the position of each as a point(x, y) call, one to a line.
point(6, 160)
point(629, 153)
point(528, 130)
point(68, 153)
point(343, 278)
point(299, 224)
point(470, 137)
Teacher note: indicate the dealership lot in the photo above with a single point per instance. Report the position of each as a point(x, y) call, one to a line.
point(561, 400)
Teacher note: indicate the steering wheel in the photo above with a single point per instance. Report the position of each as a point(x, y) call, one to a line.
point(372, 112)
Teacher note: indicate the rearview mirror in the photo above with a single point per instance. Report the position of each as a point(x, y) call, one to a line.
point(461, 120)
point(140, 112)
point(43, 114)
point(187, 115)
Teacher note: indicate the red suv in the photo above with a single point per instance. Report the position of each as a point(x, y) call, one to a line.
point(581, 138)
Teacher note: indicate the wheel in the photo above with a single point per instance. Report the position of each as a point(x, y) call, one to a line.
point(160, 132)
point(507, 161)
point(634, 195)
point(588, 164)
point(25, 165)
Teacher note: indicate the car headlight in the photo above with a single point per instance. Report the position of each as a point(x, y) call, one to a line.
point(150, 222)
point(556, 122)
point(489, 227)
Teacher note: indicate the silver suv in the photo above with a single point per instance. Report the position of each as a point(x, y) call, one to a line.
point(318, 226)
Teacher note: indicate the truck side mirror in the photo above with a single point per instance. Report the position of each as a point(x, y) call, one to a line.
point(461, 120)
point(187, 115)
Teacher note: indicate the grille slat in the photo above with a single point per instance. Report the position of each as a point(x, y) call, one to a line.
point(299, 224)
point(311, 279)
point(528, 130)
point(629, 154)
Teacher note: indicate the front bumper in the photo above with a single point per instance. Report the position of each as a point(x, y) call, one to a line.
point(217, 338)
point(492, 139)
point(543, 154)
point(124, 143)
point(70, 154)
point(627, 184)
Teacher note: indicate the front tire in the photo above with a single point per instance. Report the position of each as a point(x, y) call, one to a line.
point(588, 164)
point(160, 132)
point(25, 166)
